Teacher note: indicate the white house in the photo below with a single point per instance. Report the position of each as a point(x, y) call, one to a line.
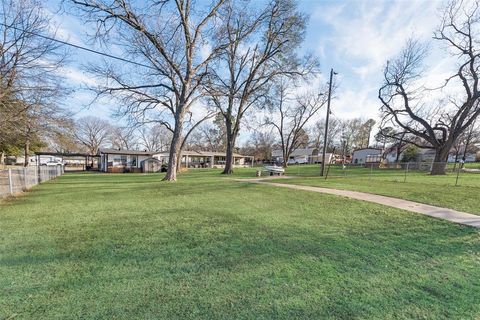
point(362, 156)
point(118, 161)
point(113, 160)
point(302, 156)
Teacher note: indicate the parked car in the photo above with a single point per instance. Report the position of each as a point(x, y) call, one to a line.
point(298, 160)
point(52, 163)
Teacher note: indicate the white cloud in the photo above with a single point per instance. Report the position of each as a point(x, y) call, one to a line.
point(78, 78)
point(360, 36)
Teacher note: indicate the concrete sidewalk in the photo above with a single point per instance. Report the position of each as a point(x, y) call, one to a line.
point(432, 211)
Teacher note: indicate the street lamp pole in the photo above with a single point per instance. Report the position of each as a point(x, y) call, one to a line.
point(326, 123)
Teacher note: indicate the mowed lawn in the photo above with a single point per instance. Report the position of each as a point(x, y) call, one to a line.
point(418, 186)
point(128, 246)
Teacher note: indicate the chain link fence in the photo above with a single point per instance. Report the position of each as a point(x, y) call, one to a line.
point(16, 180)
point(455, 173)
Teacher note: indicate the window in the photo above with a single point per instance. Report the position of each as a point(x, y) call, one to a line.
point(123, 160)
point(134, 161)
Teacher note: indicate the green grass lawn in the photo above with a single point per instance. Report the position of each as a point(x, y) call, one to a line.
point(128, 246)
point(418, 186)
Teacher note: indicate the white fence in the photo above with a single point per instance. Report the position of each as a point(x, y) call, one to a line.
point(17, 180)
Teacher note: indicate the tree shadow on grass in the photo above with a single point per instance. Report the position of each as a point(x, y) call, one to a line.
point(343, 271)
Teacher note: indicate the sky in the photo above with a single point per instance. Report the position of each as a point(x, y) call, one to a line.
point(355, 38)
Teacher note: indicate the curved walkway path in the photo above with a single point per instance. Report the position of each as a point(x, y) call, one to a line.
point(432, 211)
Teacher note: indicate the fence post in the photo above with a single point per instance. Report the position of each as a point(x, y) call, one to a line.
point(25, 183)
point(458, 173)
point(406, 171)
point(10, 182)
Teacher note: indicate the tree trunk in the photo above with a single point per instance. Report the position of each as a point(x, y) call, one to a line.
point(26, 153)
point(231, 137)
point(285, 159)
point(229, 155)
point(2, 157)
point(174, 155)
point(456, 158)
point(440, 161)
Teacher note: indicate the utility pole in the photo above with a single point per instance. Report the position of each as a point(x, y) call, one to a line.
point(326, 123)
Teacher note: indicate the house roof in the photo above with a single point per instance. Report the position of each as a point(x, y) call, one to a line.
point(127, 152)
point(166, 153)
point(361, 149)
point(150, 159)
point(202, 154)
point(297, 152)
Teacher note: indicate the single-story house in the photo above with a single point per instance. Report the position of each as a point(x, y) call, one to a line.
point(366, 155)
point(469, 157)
point(118, 161)
point(114, 160)
point(206, 159)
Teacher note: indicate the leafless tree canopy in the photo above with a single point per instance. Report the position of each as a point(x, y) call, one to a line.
point(92, 132)
point(261, 45)
point(290, 115)
point(30, 84)
point(155, 138)
point(172, 37)
point(408, 105)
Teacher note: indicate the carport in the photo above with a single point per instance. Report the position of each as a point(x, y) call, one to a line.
point(71, 161)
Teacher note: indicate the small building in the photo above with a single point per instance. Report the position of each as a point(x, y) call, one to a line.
point(300, 156)
point(151, 165)
point(360, 156)
point(303, 156)
point(119, 161)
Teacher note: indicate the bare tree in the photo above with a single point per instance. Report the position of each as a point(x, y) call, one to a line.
point(392, 140)
point(30, 85)
point(466, 143)
point(260, 145)
point(172, 39)
point(92, 132)
point(438, 123)
point(290, 116)
point(210, 136)
point(155, 138)
point(365, 133)
point(352, 135)
point(318, 132)
point(470, 139)
point(122, 137)
point(261, 45)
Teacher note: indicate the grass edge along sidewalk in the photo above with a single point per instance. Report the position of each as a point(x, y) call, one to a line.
point(425, 209)
point(419, 187)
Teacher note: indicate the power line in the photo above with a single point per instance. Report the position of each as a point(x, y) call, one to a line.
point(78, 47)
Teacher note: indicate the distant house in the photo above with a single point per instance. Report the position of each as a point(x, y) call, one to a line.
point(34, 160)
point(367, 155)
point(469, 157)
point(118, 161)
point(303, 156)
